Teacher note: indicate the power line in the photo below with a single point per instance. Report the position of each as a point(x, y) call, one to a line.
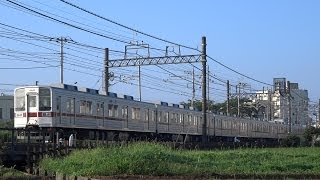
point(135, 30)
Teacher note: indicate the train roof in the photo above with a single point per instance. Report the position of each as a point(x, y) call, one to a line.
point(109, 94)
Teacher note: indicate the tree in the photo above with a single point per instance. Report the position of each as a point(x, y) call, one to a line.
point(245, 110)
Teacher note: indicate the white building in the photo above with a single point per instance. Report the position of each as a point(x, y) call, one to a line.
point(275, 104)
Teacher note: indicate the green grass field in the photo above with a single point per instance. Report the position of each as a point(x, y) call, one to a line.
point(157, 160)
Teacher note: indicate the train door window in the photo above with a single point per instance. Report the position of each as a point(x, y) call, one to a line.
point(58, 103)
point(135, 113)
point(165, 117)
point(189, 119)
point(115, 108)
point(70, 105)
point(146, 114)
point(99, 109)
point(160, 116)
point(32, 101)
point(124, 111)
point(173, 118)
point(44, 99)
point(195, 120)
point(180, 118)
point(110, 110)
point(82, 107)
point(19, 100)
point(153, 115)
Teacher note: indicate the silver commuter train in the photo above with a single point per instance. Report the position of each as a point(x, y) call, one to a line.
point(69, 107)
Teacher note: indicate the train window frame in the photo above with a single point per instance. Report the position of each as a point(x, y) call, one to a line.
point(135, 113)
point(20, 102)
point(85, 107)
point(45, 99)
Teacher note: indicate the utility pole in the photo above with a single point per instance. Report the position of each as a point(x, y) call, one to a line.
point(193, 88)
point(139, 84)
point(289, 99)
point(228, 97)
point(61, 40)
point(204, 88)
point(106, 70)
point(208, 90)
point(317, 123)
point(238, 91)
point(270, 105)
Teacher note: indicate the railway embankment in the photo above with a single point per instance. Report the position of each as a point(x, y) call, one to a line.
point(146, 160)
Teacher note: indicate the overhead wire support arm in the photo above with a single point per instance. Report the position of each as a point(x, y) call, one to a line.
point(155, 60)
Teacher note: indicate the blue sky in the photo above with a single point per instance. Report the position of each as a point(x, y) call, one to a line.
point(262, 39)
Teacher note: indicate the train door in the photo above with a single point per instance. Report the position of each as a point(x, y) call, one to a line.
point(59, 110)
point(125, 116)
point(99, 113)
point(146, 119)
point(71, 110)
point(32, 107)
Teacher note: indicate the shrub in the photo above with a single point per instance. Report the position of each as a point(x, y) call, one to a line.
point(292, 141)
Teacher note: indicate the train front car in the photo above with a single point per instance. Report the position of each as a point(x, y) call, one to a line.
point(32, 107)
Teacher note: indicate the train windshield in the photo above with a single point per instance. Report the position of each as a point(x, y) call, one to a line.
point(44, 99)
point(20, 100)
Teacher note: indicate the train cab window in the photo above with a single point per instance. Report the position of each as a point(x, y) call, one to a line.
point(44, 99)
point(19, 100)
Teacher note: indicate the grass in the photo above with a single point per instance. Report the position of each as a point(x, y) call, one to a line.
point(157, 160)
point(11, 173)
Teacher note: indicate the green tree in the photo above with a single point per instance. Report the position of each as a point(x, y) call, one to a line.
point(245, 110)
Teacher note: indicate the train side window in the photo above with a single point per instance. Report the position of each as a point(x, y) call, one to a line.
point(135, 113)
point(173, 118)
point(85, 107)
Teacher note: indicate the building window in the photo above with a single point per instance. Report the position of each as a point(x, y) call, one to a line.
point(1, 113)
